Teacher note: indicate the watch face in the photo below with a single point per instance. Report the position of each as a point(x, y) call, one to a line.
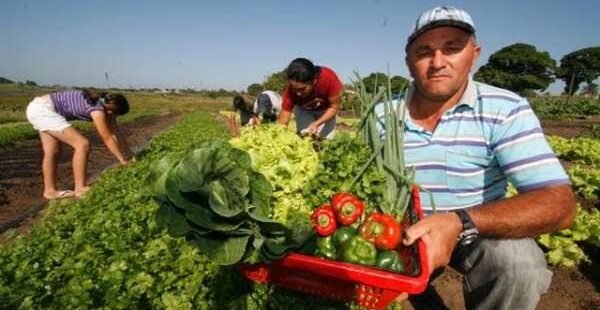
point(467, 240)
point(468, 236)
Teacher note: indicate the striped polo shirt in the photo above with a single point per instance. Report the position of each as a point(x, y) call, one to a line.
point(73, 106)
point(490, 137)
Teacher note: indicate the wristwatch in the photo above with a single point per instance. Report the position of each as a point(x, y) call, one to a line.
point(469, 232)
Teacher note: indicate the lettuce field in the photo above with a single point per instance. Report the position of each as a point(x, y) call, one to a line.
point(107, 251)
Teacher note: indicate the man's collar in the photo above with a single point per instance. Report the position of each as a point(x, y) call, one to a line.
point(470, 96)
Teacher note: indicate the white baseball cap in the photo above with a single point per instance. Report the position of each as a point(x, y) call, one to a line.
point(441, 16)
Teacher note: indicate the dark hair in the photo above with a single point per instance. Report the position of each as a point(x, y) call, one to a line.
point(302, 70)
point(238, 102)
point(120, 105)
point(92, 96)
point(119, 102)
point(243, 102)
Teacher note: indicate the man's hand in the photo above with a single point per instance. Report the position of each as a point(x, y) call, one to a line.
point(439, 232)
point(312, 129)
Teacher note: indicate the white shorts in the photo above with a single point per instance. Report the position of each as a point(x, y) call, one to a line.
point(42, 115)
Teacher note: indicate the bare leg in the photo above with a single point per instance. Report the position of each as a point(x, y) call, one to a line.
point(51, 148)
point(81, 149)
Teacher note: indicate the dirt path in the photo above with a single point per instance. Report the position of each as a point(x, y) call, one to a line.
point(20, 168)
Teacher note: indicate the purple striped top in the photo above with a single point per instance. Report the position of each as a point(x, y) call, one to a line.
point(73, 106)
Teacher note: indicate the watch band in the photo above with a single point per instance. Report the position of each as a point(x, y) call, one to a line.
point(469, 233)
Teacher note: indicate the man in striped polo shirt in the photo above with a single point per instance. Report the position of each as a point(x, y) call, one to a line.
point(467, 140)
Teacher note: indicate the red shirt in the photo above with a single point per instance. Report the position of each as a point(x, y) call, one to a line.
point(327, 85)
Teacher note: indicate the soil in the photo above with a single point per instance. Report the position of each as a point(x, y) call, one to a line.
point(21, 199)
point(570, 128)
point(21, 185)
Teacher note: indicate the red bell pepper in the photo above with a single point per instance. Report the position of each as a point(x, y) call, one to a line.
point(323, 220)
point(381, 229)
point(348, 208)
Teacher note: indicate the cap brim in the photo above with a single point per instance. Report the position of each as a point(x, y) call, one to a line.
point(440, 23)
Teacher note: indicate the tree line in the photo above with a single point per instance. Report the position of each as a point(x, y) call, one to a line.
point(518, 67)
point(27, 82)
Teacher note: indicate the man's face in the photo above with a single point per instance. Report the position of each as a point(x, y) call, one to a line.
point(440, 61)
point(301, 89)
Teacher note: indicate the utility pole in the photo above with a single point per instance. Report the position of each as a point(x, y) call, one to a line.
point(107, 82)
point(570, 88)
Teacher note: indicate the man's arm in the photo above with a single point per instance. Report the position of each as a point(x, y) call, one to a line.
point(104, 131)
point(119, 136)
point(284, 117)
point(525, 215)
point(233, 128)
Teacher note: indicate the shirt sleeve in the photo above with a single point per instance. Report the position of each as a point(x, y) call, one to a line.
point(335, 85)
point(522, 152)
point(92, 108)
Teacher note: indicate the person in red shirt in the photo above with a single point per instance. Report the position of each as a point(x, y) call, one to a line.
point(313, 95)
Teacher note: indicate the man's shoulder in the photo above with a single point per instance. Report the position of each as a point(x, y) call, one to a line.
point(328, 73)
point(494, 100)
point(486, 92)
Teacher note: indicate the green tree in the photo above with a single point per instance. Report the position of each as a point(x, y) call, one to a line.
point(255, 89)
point(379, 79)
point(374, 81)
point(398, 83)
point(30, 83)
point(276, 81)
point(519, 67)
point(579, 66)
point(5, 81)
point(590, 89)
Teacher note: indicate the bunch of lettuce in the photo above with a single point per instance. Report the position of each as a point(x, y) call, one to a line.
point(289, 162)
point(341, 160)
point(214, 198)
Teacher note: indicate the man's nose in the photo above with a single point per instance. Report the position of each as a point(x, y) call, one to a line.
point(438, 59)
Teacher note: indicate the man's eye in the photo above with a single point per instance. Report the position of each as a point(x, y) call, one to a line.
point(453, 49)
point(423, 53)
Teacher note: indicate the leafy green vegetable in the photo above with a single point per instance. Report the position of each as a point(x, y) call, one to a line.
point(214, 198)
point(222, 250)
point(340, 160)
point(289, 163)
point(107, 251)
point(562, 246)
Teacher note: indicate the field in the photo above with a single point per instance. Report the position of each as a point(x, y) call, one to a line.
point(105, 251)
point(13, 100)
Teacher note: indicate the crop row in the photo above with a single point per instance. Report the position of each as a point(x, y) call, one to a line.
point(563, 248)
point(106, 251)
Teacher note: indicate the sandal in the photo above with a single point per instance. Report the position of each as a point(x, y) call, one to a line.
point(62, 194)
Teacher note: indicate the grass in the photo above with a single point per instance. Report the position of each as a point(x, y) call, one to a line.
point(14, 126)
point(555, 108)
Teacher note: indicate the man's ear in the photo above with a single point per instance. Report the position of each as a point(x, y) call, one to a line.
point(408, 66)
point(476, 54)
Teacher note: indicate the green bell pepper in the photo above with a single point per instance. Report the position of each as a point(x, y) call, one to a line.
point(390, 260)
point(343, 234)
point(326, 248)
point(358, 250)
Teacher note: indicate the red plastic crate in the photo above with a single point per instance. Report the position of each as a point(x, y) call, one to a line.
point(369, 287)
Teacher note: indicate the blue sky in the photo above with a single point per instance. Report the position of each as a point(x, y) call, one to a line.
point(231, 44)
